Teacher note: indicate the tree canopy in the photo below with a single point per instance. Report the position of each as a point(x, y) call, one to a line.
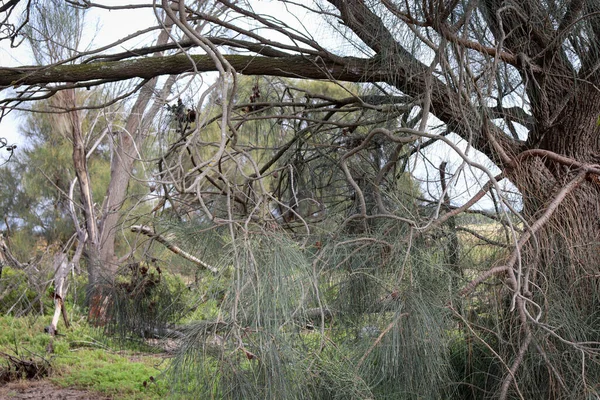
point(305, 183)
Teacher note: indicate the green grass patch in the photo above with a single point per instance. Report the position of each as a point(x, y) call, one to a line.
point(112, 374)
point(84, 359)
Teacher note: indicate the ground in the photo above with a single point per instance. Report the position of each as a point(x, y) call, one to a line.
point(44, 390)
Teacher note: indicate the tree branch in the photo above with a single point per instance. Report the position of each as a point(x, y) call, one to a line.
point(414, 78)
point(355, 69)
point(148, 231)
point(6, 256)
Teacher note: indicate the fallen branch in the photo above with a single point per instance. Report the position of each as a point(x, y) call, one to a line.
point(24, 367)
point(149, 231)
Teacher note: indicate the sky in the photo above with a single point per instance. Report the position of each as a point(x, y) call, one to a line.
point(104, 27)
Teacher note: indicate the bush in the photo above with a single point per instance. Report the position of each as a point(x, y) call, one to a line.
point(18, 295)
point(146, 301)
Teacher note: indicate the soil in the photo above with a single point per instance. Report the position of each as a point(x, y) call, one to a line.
point(44, 390)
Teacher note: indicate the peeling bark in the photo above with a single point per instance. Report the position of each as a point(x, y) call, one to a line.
point(61, 268)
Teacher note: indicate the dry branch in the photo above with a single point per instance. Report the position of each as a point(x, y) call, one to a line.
point(6, 256)
point(149, 231)
point(61, 267)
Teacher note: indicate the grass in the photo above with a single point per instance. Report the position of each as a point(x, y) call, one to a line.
point(83, 359)
point(111, 374)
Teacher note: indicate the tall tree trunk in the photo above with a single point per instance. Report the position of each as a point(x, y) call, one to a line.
point(96, 275)
point(126, 151)
point(558, 286)
point(129, 141)
point(570, 238)
point(85, 189)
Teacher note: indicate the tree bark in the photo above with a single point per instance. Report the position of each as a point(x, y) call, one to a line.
point(355, 70)
point(92, 249)
point(129, 141)
point(61, 272)
point(567, 248)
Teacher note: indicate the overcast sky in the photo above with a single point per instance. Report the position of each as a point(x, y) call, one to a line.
point(104, 27)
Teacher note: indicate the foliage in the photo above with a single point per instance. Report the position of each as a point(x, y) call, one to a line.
point(20, 293)
point(36, 187)
point(323, 223)
point(83, 358)
point(146, 302)
point(283, 344)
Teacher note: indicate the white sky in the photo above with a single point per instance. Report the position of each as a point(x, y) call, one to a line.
point(110, 25)
point(105, 27)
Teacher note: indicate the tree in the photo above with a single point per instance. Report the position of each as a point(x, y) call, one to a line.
point(515, 80)
point(54, 34)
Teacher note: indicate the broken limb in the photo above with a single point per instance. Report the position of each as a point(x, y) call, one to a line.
point(149, 231)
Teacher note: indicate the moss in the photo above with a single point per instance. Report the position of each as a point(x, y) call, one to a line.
point(16, 293)
point(82, 359)
point(111, 374)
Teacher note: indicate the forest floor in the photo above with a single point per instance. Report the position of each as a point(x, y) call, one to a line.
point(82, 363)
point(45, 390)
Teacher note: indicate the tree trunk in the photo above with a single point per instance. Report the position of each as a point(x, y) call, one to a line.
point(129, 141)
point(570, 239)
point(61, 272)
point(558, 282)
point(121, 168)
point(85, 188)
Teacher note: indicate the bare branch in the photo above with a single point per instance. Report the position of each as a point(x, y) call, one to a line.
point(149, 231)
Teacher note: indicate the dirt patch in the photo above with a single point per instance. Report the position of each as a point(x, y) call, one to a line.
point(44, 390)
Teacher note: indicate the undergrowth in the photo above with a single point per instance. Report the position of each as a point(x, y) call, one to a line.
point(81, 357)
